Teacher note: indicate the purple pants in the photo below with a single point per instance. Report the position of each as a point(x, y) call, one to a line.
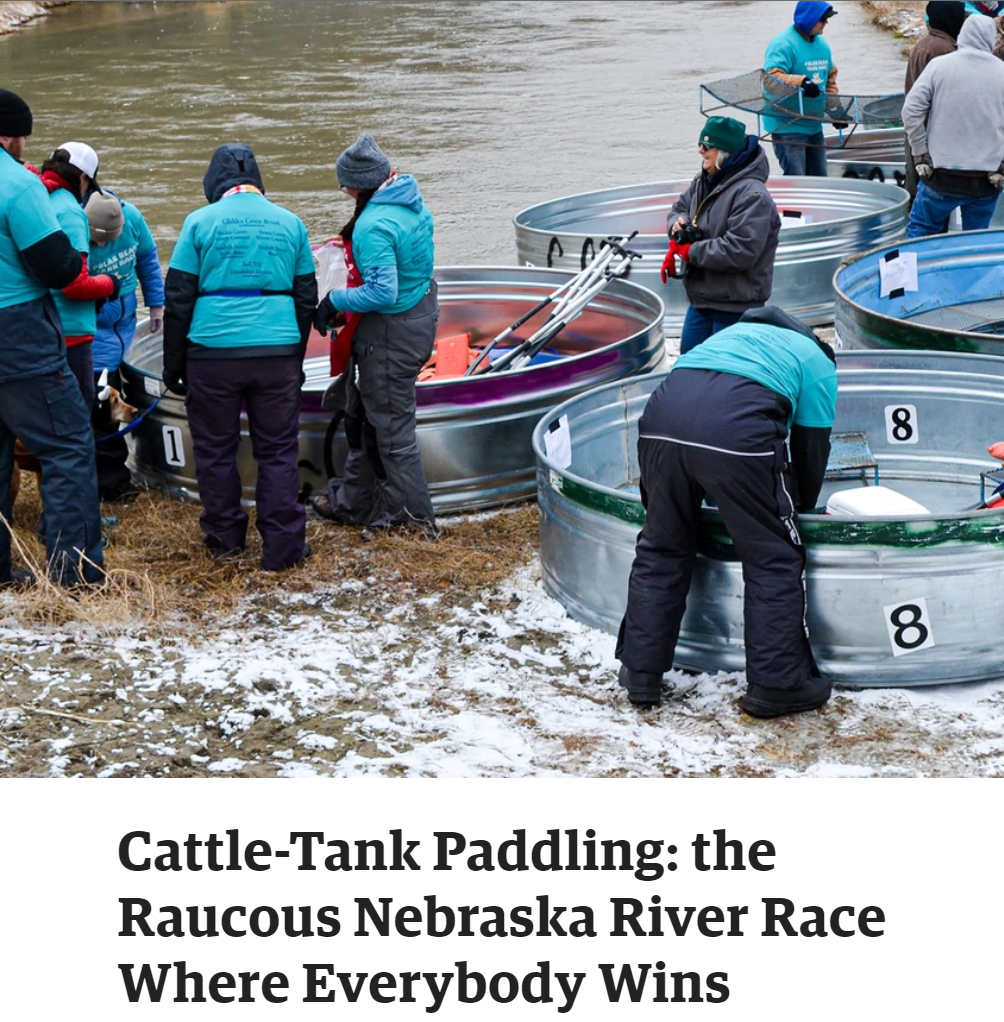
point(269, 390)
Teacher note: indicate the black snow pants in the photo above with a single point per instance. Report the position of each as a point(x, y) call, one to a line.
point(718, 435)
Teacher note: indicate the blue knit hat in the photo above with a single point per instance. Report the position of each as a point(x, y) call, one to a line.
point(363, 165)
point(808, 12)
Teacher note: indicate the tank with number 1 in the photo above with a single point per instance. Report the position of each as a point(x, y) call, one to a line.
point(903, 568)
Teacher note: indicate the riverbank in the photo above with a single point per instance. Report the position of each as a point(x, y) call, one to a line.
point(904, 19)
point(15, 14)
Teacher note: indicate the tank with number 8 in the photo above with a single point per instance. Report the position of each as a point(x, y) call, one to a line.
point(904, 562)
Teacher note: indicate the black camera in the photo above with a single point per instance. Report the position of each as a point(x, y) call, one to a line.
point(688, 234)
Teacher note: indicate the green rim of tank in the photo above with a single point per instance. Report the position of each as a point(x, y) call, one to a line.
point(982, 527)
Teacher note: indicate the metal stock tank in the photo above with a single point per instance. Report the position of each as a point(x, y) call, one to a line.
point(877, 154)
point(823, 221)
point(958, 304)
point(909, 600)
point(475, 433)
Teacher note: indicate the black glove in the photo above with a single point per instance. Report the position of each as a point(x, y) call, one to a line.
point(809, 88)
point(176, 380)
point(323, 315)
point(838, 116)
point(116, 290)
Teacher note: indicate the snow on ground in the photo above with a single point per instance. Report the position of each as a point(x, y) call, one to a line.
point(342, 682)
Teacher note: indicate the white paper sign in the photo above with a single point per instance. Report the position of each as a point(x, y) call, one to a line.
point(558, 443)
point(909, 627)
point(902, 424)
point(174, 448)
point(898, 274)
point(792, 218)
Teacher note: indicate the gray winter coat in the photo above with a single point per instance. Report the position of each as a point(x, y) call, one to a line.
point(960, 99)
point(732, 270)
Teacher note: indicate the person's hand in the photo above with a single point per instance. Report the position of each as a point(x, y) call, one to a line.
point(809, 88)
point(681, 221)
point(997, 177)
point(157, 319)
point(669, 263)
point(925, 168)
point(176, 380)
point(668, 268)
point(838, 117)
point(324, 315)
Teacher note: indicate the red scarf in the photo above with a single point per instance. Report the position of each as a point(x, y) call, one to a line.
point(341, 341)
point(53, 181)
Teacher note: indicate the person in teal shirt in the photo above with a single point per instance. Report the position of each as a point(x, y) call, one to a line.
point(36, 256)
point(68, 174)
point(744, 419)
point(393, 314)
point(800, 57)
point(240, 297)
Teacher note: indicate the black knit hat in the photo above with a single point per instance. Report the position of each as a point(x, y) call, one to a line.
point(15, 115)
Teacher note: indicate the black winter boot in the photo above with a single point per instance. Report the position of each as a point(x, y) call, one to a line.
point(644, 690)
point(761, 701)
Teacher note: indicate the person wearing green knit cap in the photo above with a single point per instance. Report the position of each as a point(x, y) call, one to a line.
point(723, 232)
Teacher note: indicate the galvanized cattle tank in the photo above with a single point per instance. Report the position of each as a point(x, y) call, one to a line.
point(892, 601)
point(957, 305)
point(475, 433)
point(877, 154)
point(825, 220)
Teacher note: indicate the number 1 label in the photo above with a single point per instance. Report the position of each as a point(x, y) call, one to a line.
point(174, 449)
point(901, 424)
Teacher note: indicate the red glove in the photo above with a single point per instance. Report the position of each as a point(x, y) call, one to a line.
point(669, 263)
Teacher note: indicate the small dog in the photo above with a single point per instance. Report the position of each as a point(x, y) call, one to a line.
point(24, 461)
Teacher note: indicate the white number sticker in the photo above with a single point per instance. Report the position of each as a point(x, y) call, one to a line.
point(174, 448)
point(909, 627)
point(901, 425)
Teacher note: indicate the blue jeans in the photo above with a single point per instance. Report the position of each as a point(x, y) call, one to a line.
point(932, 208)
point(700, 324)
point(801, 155)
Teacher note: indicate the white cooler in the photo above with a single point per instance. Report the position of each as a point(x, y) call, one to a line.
point(872, 501)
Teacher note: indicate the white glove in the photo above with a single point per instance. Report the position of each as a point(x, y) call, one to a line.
point(925, 168)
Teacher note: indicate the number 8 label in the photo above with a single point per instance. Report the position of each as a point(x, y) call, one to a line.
point(909, 627)
point(901, 424)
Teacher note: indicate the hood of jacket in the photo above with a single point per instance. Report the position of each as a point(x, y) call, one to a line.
point(402, 190)
point(232, 164)
point(807, 13)
point(947, 16)
point(978, 33)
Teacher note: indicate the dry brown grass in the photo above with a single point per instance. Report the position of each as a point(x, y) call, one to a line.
point(158, 570)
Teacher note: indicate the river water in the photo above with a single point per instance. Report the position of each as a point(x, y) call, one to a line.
point(493, 106)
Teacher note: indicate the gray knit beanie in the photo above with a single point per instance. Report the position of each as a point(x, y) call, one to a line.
point(104, 213)
point(363, 165)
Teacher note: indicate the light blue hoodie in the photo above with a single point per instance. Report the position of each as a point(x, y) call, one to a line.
point(392, 246)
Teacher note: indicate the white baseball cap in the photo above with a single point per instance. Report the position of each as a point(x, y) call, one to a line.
point(83, 157)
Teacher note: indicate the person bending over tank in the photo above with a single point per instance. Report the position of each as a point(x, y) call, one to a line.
point(716, 427)
point(35, 257)
point(723, 232)
point(241, 293)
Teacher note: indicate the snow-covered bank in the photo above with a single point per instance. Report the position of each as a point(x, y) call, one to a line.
point(15, 14)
